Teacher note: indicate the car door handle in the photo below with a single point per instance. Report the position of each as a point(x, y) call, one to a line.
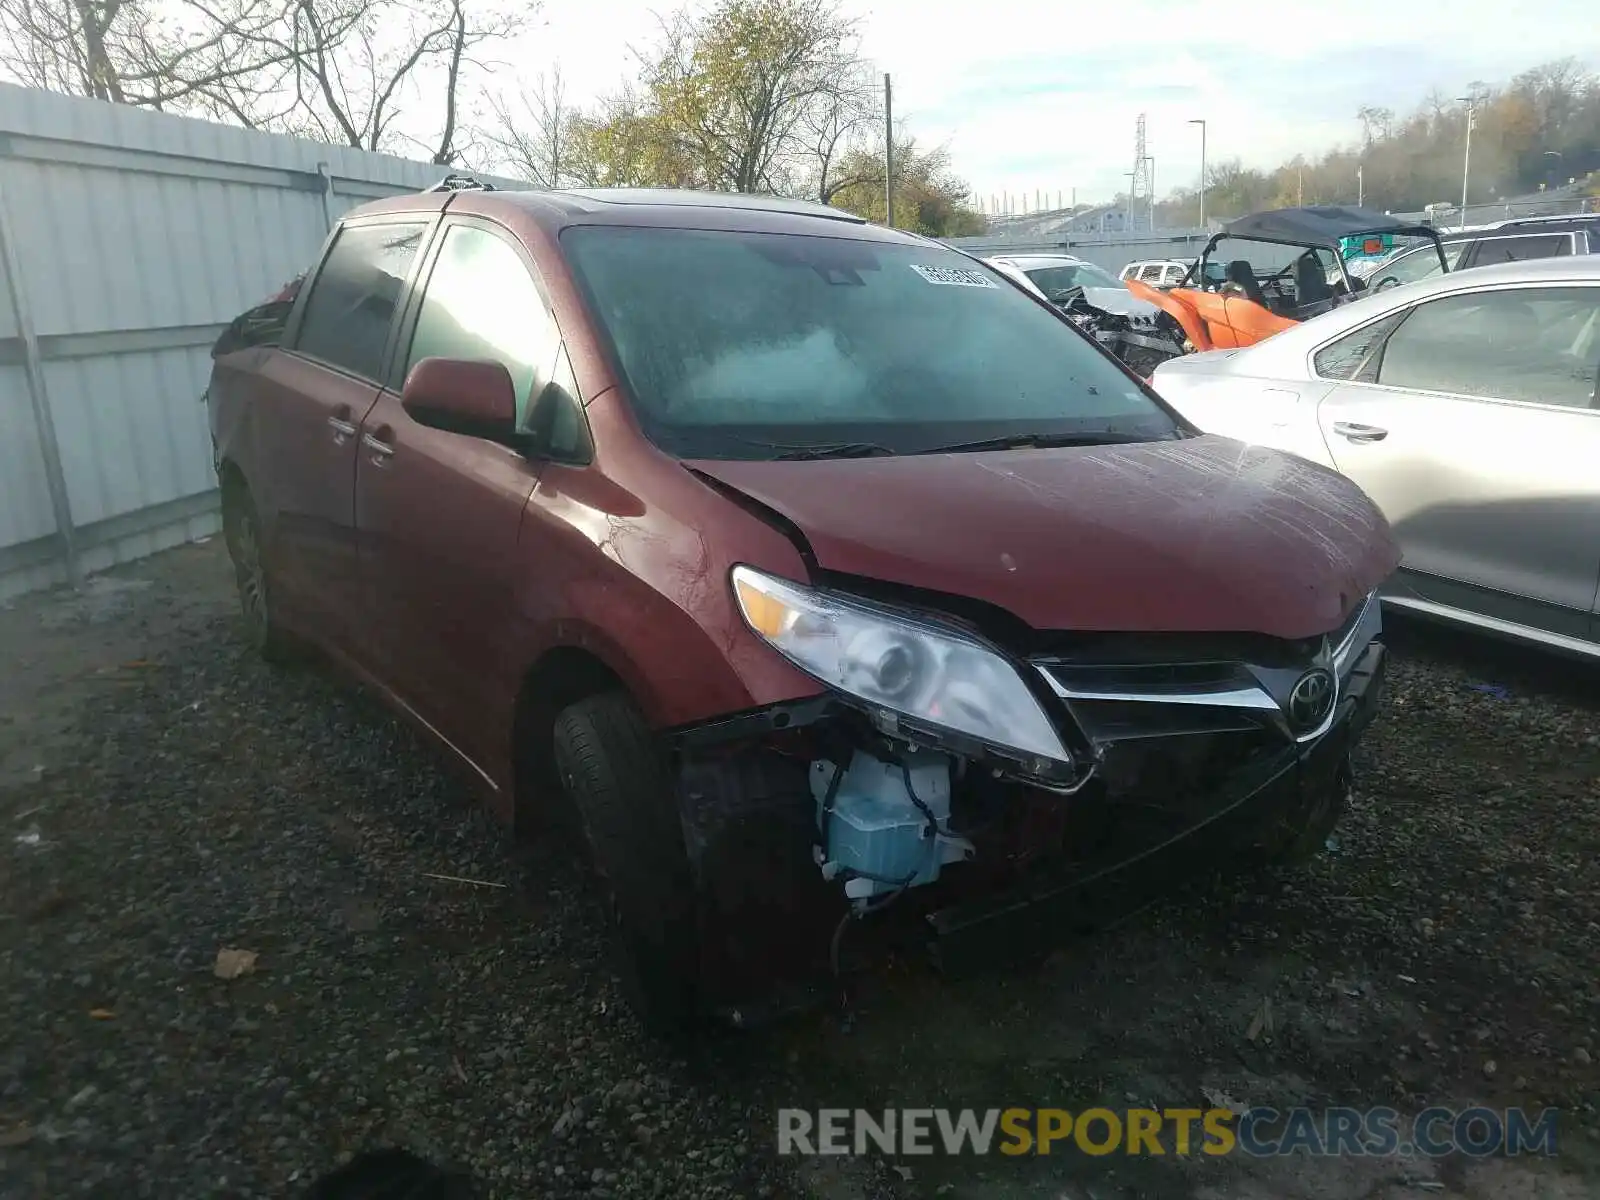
point(380, 448)
point(342, 427)
point(1355, 432)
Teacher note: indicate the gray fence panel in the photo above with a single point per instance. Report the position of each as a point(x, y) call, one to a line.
point(138, 235)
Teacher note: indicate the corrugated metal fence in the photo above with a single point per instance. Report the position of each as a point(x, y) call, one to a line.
point(127, 240)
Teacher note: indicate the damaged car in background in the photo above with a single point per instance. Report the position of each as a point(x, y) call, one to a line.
point(1269, 271)
point(796, 570)
point(1131, 327)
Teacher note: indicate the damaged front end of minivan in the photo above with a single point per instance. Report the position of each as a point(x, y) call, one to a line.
point(1000, 797)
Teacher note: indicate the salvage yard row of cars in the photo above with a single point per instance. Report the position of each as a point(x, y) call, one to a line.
point(796, 569)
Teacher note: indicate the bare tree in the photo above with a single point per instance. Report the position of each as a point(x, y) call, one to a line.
point(536, 134)
point(131, 52)
point(1376, 123)
point(356, 67)
point(355, 72)
point(837, 123)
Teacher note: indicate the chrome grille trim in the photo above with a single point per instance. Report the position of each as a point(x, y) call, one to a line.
point(1240, 686)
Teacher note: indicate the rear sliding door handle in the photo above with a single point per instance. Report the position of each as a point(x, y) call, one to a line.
point(381, 449)
point(1356, 432)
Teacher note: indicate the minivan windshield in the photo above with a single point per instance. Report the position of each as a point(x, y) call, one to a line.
point(764, 345)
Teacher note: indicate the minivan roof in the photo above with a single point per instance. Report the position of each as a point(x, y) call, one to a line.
point(556, 209)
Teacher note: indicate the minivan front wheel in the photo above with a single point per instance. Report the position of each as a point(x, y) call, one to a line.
point(617, 783)
point(242, 531)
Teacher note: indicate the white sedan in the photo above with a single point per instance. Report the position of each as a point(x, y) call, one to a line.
point(1468, 407)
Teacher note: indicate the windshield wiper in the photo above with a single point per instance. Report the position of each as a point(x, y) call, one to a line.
point(792, 453)
point(1019, 441)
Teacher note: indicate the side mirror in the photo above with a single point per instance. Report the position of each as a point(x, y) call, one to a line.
point(462, 396)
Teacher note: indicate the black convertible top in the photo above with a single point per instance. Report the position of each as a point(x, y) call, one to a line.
point(1318, 225)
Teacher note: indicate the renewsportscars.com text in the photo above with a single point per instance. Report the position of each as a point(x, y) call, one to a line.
point(1258, 1132)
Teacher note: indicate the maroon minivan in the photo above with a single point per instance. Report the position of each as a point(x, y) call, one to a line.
point(795, 566)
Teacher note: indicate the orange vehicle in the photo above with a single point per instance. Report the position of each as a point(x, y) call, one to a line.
point(1269, 271)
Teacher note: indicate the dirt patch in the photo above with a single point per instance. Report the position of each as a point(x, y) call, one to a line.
point(163, 796)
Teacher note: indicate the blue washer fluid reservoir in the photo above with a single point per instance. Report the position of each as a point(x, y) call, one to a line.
point(876, 836)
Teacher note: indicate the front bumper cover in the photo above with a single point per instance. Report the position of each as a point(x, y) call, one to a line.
point(1290, 789)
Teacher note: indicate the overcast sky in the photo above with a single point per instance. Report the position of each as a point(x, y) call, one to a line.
point(1036, 94)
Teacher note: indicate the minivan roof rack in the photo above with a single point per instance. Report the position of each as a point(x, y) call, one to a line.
point(460, 181)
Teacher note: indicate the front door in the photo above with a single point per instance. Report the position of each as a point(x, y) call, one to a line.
point(439, 513)
point(314, 395)
point(1478, 438)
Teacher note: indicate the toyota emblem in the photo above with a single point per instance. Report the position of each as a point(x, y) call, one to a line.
point(1311, 700)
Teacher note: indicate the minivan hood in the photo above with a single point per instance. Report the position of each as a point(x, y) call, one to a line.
point(1200, 535)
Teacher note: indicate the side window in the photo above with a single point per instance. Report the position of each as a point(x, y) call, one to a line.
point(481, 303)
point(1151, 274)
point(1537, 345)
point(1174, 274)
point(1521, 249)
point(559, 424)
point(353, 301)
point(1354, 357)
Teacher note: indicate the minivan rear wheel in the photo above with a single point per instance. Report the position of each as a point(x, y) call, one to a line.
point(617, 783)
point(242, 531)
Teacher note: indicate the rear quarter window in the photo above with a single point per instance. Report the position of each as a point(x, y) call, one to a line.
point(354, 298)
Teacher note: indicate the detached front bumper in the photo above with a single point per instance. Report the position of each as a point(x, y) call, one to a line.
point(1306, 786)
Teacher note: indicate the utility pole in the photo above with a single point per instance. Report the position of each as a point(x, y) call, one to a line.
point(1300, 186)
point(888, 152)
point(1361, 187)
point(1152, 194)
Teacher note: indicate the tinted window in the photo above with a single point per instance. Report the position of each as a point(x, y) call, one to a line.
point(1355, 356)
point(482, 303)
point(1540, 345)
point(353, 301)
point(1520, 249)
point(732, 343)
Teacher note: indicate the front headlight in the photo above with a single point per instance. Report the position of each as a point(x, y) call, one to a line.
point(935, 677)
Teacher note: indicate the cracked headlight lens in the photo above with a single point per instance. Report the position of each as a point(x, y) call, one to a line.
point(933, 676)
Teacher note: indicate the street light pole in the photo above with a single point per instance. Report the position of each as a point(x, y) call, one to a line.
point(1152, 193)
point(1361, 187)
point(1200, 121)
point(1466, 161)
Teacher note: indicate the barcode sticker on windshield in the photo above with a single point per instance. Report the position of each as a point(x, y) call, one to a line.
point(953, 276)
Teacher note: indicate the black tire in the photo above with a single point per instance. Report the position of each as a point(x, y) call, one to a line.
point(613, 774)
point(242, 532)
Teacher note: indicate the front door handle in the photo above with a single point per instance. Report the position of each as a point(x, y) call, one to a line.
point(342, 428)
point(381, 448)
point(1356, 432)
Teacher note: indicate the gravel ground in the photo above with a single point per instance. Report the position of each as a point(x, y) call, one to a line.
point(163, 796)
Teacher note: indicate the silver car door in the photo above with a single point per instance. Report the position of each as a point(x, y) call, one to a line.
point(1474, 427)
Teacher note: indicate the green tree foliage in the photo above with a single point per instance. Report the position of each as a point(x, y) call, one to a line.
point(766, 96)
point(1540, 129)
point(928, 198)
